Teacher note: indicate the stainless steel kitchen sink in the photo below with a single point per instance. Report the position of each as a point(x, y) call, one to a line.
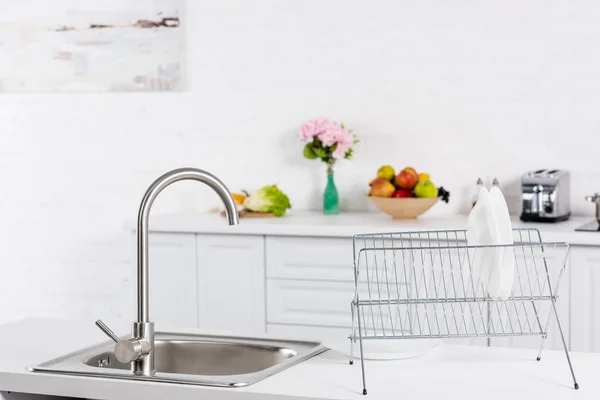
point(192, 359)
point(180, 358)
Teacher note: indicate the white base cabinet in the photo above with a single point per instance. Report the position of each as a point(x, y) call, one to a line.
point(231, 282)
point(303, 286)
point(172, 279)
point(207, 281)
point(585, 299)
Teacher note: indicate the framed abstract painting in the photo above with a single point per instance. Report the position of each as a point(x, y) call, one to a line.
point(91, 46)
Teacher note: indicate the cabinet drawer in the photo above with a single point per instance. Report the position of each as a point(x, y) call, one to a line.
point(310, 258)
point(309, 302)
point(327, 304)
point(331, 259)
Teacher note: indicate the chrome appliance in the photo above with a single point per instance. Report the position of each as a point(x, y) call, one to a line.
point(593, 226)
point(546, 195)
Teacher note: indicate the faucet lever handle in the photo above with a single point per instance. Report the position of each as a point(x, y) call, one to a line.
point(104, 328)
point(128, 350)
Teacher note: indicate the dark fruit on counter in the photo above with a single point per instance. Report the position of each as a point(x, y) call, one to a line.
point(444, 194)
point(403, 193)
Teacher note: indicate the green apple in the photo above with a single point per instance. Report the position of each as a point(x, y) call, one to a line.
point(426, 189)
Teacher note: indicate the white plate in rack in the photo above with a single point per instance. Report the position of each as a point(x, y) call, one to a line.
point(482, 230)
point(505, 236)
point(385, 349)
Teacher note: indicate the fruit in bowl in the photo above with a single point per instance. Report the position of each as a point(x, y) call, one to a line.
point(403, 194)
point(381, 187)
point(407, 179)
point(425, 189)
point(386, 172)
point(406, 195)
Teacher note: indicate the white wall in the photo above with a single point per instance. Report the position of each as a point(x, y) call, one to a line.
point(458, 88)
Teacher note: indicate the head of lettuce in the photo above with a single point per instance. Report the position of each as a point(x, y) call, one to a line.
point(268, 199)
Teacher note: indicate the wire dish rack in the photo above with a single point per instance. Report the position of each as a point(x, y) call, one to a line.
point(430, 284)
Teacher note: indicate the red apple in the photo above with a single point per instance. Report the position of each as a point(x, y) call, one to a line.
point(411, 169)
point(403, 193)
point(407, 179)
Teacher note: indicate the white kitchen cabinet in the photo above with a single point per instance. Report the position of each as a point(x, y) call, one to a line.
point(231, 282)
point(303, 286)
point(585, 299)
point(207, 281)
point(172, 280)
point(309, 286)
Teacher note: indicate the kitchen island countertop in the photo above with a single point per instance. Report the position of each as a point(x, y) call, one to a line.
point(460, 372)
point(349, 224)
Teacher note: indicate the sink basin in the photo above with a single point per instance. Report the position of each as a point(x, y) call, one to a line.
point(192, 359)
point(204, 358)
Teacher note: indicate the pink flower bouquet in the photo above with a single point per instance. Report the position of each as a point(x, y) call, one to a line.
point(327, 141)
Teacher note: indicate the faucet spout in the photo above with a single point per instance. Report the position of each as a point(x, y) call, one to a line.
point(143, 216)
point(140, 349)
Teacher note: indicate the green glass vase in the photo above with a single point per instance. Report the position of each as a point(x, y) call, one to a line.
point(331, 200)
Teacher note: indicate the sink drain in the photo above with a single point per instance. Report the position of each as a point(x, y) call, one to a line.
point(104, 362)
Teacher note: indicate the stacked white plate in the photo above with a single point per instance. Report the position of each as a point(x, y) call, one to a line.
point(489, 224)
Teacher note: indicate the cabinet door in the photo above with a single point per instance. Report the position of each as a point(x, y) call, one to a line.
point(585, 299)
point(231, 282)
point(172, 280)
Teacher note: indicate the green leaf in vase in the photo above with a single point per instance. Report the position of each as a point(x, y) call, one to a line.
point(309, 152)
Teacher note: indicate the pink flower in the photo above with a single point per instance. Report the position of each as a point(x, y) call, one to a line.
point(329, 133)
point(312, 128)
point(334, 134)
point(344, 144)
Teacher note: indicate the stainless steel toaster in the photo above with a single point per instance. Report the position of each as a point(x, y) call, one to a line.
point(546, 196)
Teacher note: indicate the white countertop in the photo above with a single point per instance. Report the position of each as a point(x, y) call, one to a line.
point(349, 224)
point(467, 373)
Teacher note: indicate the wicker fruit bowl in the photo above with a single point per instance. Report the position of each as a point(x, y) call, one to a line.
point(403, 208)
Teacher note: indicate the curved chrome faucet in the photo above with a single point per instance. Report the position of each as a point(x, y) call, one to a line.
point(139, 350)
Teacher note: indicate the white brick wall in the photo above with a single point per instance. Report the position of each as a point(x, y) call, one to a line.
point(460, 89)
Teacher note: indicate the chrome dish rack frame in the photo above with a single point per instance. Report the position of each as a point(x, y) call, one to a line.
point(432, 285)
